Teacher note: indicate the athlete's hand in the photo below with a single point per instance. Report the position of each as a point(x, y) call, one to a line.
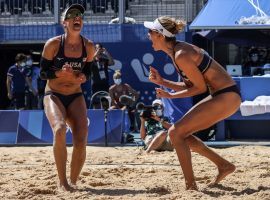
point(155, 77)
point(160, 93)
point(66, 71)
point(81, 78)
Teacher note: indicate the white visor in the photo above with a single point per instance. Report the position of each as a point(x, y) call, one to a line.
point(157, 26)
point(157, 101)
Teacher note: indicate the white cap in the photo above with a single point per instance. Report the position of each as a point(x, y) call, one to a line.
point(157, 101)
point(156, 25)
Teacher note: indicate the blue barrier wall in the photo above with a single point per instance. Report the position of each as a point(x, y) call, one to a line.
point(247, 127)
point(32, 127)
point(8, 126)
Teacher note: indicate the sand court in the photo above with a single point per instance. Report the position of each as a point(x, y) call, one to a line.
point(130, 173)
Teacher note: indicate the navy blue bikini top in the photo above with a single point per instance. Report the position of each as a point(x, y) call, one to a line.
point(203, 66)
point(60, 59)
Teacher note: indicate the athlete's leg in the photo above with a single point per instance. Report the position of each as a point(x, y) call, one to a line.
point(201, 116)
point(77, 120)
point(224, 166)
point(56, 115)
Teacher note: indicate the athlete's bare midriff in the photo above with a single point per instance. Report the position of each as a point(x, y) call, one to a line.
point(63, 86)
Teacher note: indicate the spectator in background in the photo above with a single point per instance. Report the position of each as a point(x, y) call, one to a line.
point(41, 92)
point(119, 89)
point(99, 71)
point(253, 66)
point(18, 77)
point(153, 130)
point(263, 55)
point(33, 73)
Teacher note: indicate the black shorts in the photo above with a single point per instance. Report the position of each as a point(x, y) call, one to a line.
point(232, 88)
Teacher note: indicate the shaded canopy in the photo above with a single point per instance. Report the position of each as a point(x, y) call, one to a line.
point(239, 37)
point(233, 14)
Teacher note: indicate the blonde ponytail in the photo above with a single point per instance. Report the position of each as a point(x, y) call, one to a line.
point(171, 24)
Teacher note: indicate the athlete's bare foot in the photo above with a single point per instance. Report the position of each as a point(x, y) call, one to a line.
point(74, 185)
point(191, 186)
point(65, 187)
point(223, 172)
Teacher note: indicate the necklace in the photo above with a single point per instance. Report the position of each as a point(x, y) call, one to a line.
point(73, 47)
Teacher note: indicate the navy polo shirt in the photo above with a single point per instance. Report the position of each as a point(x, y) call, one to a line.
point(18, 74)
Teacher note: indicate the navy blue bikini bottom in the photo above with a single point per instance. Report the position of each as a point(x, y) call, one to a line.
point(232, 88)
point(66, 100)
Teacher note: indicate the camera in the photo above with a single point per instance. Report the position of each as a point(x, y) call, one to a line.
point(146, 111)
point(127, 100)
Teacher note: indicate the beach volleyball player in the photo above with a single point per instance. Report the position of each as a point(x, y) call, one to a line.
point(199, 73)
point(65, 64)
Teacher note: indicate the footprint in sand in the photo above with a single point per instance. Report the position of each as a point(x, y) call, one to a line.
point(42, 191)
point(203, 179)
point(86, 173)
point(159, 190)
point(97, 184)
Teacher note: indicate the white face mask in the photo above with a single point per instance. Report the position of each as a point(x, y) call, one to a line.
point(29, 62)
point(159, 112)
point(255, 58)
point(117, 81)
point(22, 64)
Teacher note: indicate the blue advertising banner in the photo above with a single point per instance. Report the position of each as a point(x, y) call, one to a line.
point(34, 127)
point(134, 61)
point(8, 126)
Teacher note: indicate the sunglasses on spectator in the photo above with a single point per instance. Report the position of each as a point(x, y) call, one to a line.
point(73, 14)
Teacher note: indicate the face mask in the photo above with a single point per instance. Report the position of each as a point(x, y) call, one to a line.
point(23, 64)
point(254, 58)
point(159, 112)
point(29, 62)
point(117, 81)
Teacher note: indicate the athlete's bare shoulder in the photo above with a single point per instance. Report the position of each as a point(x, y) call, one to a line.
point(53, 42)
point(51, 47)
point(186, 50)
point(90, 48)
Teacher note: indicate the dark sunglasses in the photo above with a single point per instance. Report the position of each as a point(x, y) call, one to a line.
point(151, 31)
point(73, 14)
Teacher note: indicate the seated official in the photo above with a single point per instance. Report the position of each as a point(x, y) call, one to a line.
point(119, 89)
point(253, 66)
point(154, 128)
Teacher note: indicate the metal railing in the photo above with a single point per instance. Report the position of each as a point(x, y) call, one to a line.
point(14, 12)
